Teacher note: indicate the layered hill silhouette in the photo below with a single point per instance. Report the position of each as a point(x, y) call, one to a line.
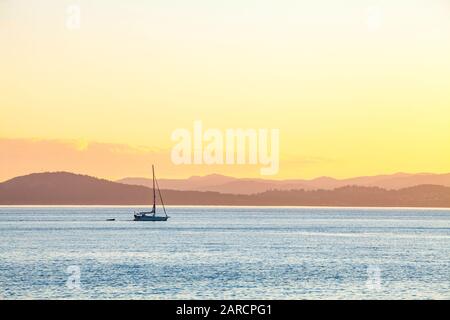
point(63, 188)
point(224, 184)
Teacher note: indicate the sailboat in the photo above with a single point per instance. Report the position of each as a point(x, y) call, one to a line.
point(151, 215)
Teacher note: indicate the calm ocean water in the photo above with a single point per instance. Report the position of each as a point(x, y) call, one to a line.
point(224, 253)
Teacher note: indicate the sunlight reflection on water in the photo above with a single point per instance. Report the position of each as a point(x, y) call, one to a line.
point(225, 253)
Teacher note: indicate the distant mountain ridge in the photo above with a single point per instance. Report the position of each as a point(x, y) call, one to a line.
point(225, 184)
point(63, 188)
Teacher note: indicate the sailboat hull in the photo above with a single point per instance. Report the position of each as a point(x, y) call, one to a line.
point(149, 218)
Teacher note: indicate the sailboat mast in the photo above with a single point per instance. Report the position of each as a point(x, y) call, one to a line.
point(160, 197)
point(154, 191)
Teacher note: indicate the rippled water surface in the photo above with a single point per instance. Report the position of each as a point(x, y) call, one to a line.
point(225, 253)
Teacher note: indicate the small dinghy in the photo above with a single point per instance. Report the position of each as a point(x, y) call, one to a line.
point(151, 215)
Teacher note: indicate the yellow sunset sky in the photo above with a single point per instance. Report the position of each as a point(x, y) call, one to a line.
point(356, 87)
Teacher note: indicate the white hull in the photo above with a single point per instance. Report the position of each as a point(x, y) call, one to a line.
point(144, 217)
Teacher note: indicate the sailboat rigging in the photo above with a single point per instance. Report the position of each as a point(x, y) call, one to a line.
point(151, 215)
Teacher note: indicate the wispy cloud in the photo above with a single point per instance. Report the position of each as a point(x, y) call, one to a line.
point(23, 156)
